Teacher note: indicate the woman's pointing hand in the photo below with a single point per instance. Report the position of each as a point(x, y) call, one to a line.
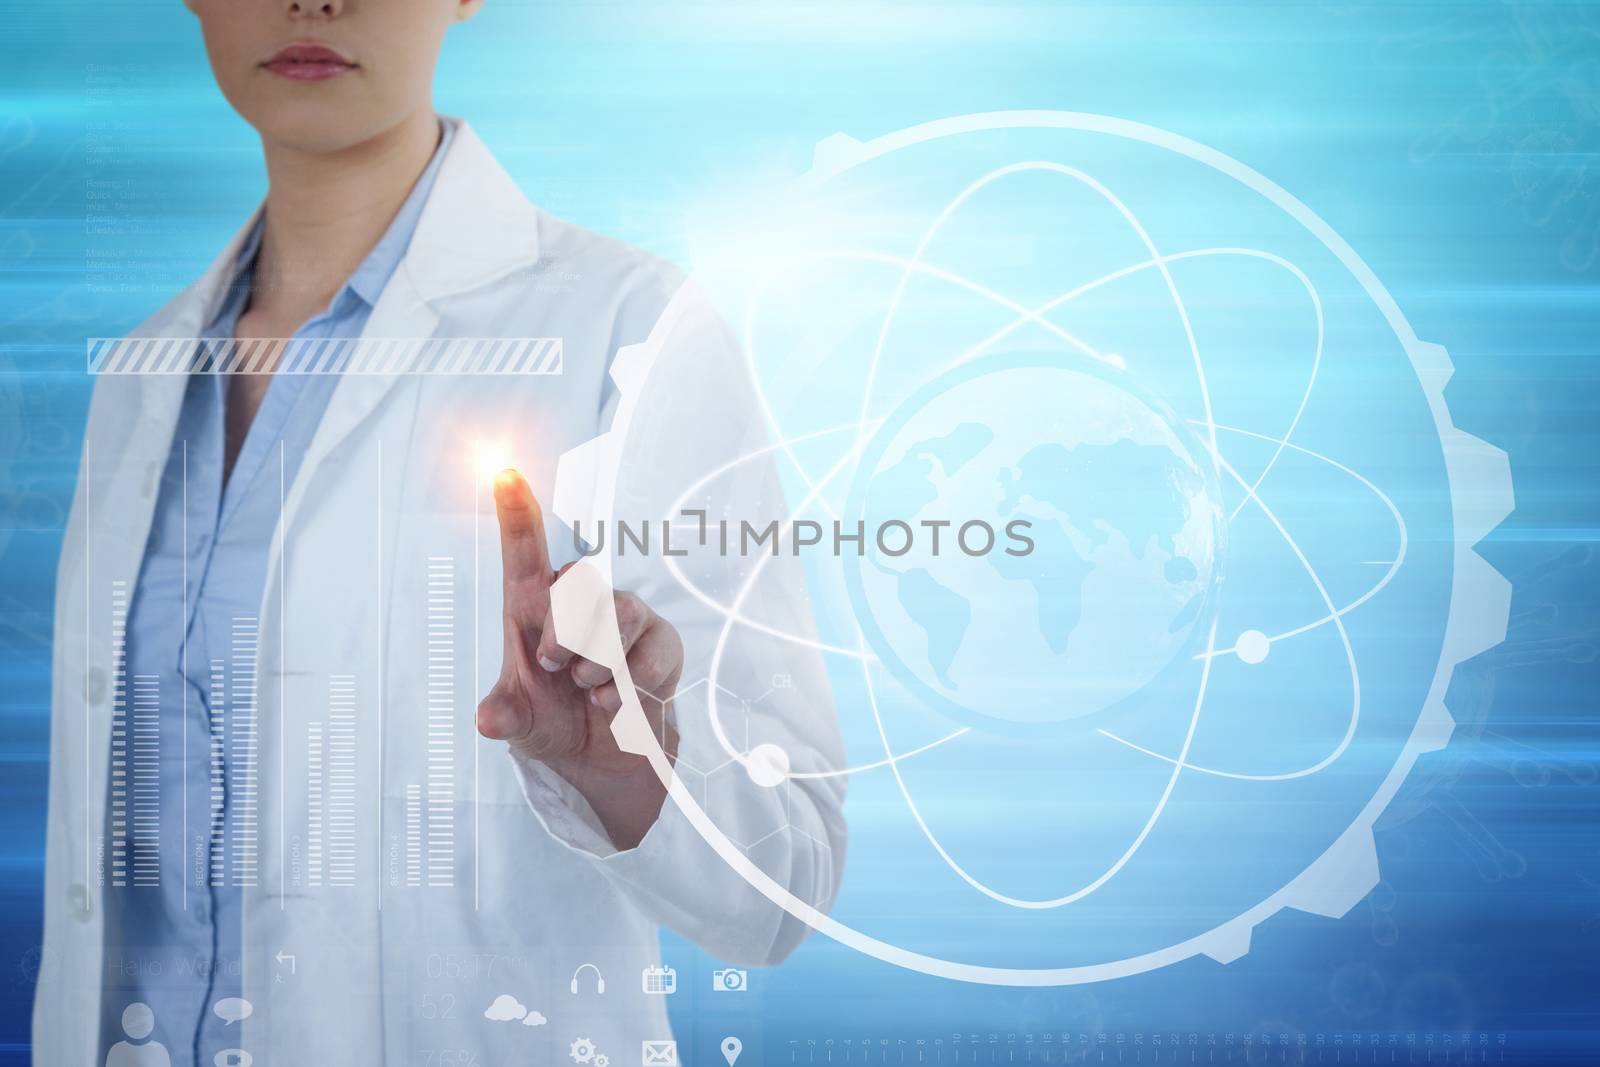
point(556, 707)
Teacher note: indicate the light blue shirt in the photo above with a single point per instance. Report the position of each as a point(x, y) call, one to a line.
point(184, 796)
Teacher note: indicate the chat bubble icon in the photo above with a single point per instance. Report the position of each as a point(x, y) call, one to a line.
point(231, 1009)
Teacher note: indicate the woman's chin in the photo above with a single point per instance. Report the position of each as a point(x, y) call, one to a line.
point(310, 126)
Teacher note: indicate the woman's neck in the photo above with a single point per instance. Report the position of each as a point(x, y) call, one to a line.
point(325, 213)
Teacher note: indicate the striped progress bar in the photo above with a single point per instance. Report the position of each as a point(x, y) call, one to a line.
point(332, 355)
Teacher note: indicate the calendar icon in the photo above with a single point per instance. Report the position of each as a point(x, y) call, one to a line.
point(660, 980)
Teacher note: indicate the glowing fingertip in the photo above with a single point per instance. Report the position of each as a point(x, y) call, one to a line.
point(492, 461)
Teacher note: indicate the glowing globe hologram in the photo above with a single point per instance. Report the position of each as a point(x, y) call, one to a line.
point(1113, 526)
point(1183, 708)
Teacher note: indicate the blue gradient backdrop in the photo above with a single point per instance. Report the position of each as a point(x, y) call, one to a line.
point(1453, 144)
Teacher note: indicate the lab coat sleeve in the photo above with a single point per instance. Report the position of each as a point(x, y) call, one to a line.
point(696, 413)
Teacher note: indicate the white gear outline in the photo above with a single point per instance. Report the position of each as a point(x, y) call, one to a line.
point(581, 1050)
point(1330, 885)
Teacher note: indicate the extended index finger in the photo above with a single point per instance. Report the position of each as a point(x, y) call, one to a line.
point(524, 555)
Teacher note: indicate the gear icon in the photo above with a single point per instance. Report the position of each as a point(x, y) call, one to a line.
point(602, 1060)
point(582, 1051)
point(1346, 869)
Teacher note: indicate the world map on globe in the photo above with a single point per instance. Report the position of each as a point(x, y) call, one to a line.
point(1118, 568)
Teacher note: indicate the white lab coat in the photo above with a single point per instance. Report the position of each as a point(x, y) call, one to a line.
point(382, 972)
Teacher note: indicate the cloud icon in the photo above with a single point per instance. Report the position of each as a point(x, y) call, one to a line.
point(505, 1009)
point(534, 1018)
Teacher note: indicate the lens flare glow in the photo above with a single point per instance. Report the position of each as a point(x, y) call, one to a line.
point(490, 458)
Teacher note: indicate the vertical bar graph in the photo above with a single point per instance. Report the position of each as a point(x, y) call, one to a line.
point(119, 732)
point(218, 769)
point(441, 720)
point(413, 834)
point(244, 859)
point(331, 788)
point(316, 800)
point(341, 798)
point(146, 784)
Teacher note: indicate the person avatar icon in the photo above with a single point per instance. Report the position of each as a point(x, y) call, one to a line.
point(138, 1022)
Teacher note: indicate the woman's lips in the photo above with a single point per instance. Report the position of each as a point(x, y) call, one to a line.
point(308, 62)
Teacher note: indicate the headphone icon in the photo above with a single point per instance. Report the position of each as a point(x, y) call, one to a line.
point(599, 979)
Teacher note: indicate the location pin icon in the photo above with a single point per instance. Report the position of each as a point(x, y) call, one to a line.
point(731, 1047)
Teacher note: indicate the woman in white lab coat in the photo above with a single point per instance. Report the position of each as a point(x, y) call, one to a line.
point(567, 858)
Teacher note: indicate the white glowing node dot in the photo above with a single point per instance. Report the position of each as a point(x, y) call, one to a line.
point(1252, 646)
point(767, 765)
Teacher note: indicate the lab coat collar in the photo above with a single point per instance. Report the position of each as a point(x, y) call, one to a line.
point(185, 318)
point(477, 226)
point(475, 229)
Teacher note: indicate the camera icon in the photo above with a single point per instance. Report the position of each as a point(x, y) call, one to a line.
point(730, 980)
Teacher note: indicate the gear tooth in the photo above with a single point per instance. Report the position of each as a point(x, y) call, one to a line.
point(1480, 629)
point(632, 731)
point(581, 603)
point(578, 482)
point(586, 474)
point(1339, 878)
point(834, 154)
point(1483, 473)
point(1228, 942)
point(628, 366)
point(1433, 365)
point(1433, 728)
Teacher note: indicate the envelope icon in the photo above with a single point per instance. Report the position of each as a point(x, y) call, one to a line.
point(660, 1054)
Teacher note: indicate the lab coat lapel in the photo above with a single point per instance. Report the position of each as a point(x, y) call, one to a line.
point(126, 445)
point(135, 450)
point(400, 319)
point(476, 228)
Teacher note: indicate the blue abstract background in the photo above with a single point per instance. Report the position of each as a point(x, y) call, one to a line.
point(1453, 144)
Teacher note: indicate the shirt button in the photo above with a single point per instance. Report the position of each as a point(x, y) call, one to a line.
point(80, 902)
